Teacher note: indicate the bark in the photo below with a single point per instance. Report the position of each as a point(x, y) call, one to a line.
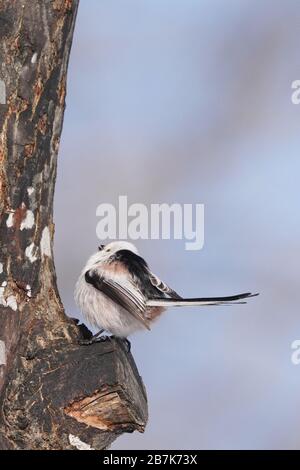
point(54, 394)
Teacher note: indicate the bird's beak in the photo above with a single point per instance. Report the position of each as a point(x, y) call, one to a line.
point(100, 247)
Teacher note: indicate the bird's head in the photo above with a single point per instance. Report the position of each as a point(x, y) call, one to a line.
point(105, 252)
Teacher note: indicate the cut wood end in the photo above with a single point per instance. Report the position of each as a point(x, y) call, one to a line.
point(108, 409)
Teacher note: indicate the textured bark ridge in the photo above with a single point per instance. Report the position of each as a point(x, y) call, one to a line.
point(54, 394)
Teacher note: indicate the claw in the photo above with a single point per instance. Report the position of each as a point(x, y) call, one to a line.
point(85, 342)
point(92, 340)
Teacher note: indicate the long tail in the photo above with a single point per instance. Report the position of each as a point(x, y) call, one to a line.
point(230, 300)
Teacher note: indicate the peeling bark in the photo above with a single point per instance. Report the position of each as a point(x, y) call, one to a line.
point(50, 387)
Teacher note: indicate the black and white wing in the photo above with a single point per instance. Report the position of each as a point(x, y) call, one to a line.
point(147, 282)
point(131, 299)
point(163, 287)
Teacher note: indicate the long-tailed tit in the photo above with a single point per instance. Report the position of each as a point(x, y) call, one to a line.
point(117, 292)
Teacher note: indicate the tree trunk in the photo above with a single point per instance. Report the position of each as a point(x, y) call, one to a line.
point(54, 394)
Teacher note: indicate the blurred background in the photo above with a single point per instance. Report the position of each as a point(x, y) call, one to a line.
point(190, 102)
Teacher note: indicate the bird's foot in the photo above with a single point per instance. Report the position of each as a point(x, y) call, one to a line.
point(101, 339)
point(93, 339)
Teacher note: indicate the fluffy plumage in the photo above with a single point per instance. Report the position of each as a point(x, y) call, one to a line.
point(117, 292)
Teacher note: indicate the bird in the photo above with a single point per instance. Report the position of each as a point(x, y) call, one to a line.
point(119, 294)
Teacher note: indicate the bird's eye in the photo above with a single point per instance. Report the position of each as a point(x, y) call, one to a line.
point(100, 247)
